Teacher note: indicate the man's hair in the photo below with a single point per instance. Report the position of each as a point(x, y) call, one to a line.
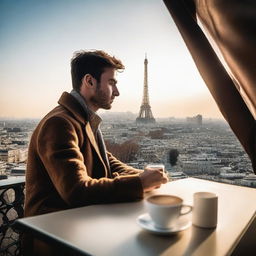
point(93, 63)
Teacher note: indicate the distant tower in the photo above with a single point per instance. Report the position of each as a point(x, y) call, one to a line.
point(145, 115)
point(199, 120)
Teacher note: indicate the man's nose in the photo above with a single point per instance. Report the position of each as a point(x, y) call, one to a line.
point(116, 92)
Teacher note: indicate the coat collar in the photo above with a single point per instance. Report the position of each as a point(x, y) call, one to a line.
point(71, 104)
point(94, 143)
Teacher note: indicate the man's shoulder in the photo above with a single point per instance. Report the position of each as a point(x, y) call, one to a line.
point(58, 117)
point(60, 114)
point(59, 111)
point(67, 113)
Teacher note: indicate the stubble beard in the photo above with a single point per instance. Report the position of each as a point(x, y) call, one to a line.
point(101, 100)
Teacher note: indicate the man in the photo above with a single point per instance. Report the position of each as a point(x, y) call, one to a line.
point(68, 165)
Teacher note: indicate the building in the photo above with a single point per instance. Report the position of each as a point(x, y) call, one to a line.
point(198, 120)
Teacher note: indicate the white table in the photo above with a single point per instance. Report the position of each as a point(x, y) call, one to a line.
point(112, 229)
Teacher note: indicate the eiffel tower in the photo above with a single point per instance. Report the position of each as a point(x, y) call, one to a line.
point(145, 115)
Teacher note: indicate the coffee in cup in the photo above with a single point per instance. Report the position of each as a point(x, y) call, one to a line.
point(164, 200)
point(165, 210)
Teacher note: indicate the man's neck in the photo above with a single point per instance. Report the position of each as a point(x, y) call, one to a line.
point(92, 107)
point(83, 102)
point(88, 108)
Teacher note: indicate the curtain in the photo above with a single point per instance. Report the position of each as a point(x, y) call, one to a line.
point(221, 38)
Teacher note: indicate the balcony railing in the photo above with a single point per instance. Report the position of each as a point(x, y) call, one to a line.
point(11, 208)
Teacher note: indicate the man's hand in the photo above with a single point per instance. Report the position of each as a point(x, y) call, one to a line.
point(152, 178)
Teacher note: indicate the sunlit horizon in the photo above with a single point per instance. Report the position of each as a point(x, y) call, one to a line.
point(38, 40)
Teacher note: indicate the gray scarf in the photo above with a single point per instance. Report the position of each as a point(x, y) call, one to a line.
point(97, 132)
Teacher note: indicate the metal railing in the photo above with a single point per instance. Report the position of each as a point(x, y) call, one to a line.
point(11, 208)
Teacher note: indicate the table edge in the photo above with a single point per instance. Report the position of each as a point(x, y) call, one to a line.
point(47, 237)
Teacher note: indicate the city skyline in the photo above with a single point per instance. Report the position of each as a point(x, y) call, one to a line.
point(39, 38)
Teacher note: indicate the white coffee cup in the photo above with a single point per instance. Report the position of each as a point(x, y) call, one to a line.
point(158, 166)
point(205, 210)
point(165, 210)
point(154, 166)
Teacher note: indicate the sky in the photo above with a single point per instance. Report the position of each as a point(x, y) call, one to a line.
point(38, 39)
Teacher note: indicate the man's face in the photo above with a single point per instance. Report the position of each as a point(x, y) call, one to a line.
point(106, 90)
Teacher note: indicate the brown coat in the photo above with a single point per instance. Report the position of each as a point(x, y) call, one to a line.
point(65, 168)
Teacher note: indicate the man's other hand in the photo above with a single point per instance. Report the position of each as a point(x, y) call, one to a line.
point(152, 178)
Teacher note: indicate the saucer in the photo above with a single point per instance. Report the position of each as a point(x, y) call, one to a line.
point(146, 223)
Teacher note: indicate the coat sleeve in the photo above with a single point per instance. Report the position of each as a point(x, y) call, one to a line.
point(119, 168)
point(58, 149)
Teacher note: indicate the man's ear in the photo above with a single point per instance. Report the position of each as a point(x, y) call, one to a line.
point(87, 80)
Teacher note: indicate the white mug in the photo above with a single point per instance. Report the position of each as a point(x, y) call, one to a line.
point(205, 210)
point(158, 166)
point(154, 166)
point(164, 210)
